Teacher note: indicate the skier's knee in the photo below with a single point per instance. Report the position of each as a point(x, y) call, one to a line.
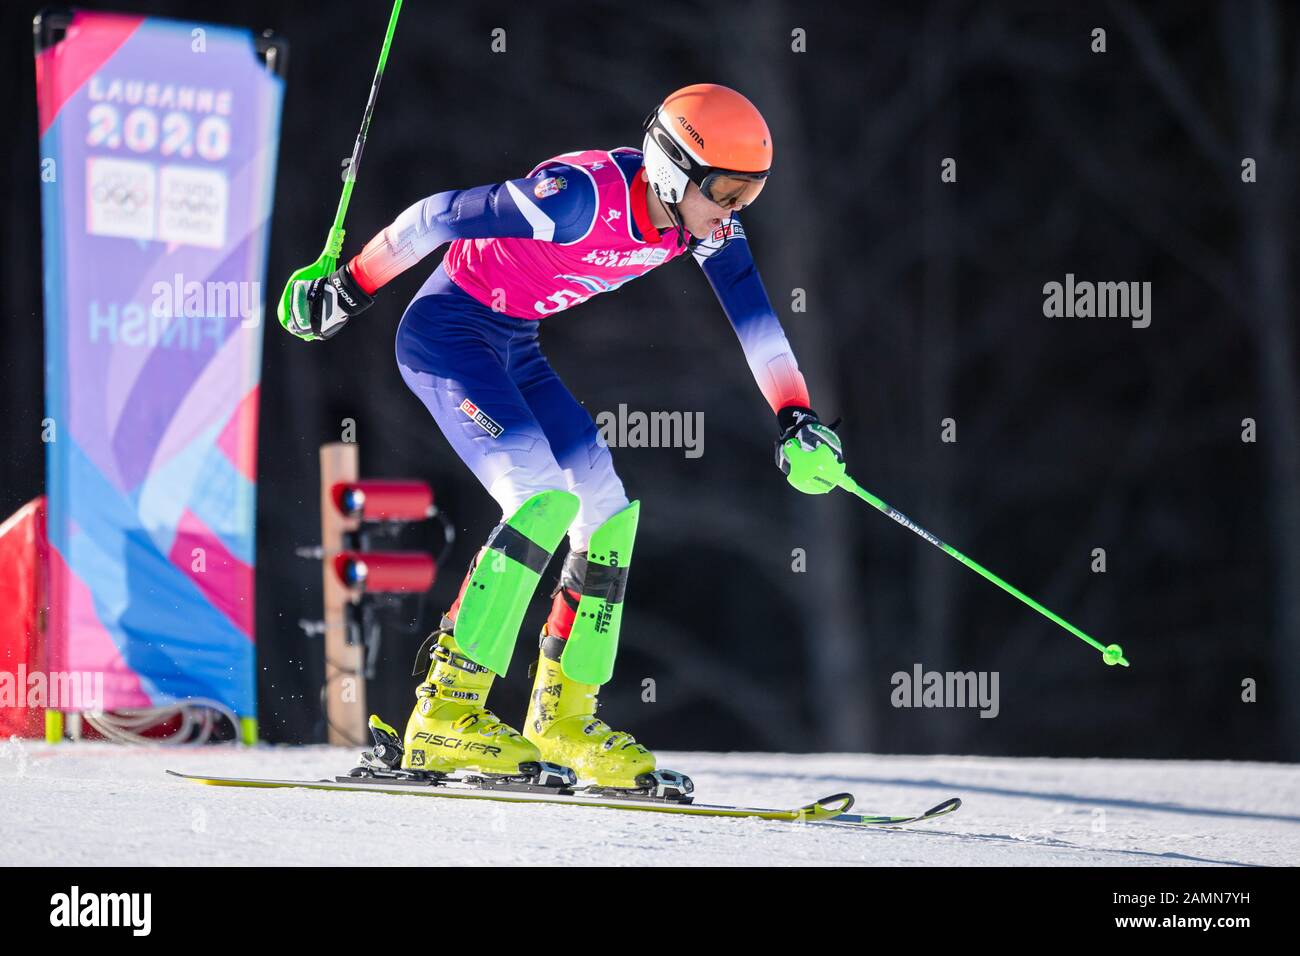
point(592, 514)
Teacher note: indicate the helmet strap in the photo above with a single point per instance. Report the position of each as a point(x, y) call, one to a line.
point(678, 222)
point(681, 226)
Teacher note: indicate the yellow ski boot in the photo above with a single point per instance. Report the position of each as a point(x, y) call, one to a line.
point(562, 723)
point(451, 730)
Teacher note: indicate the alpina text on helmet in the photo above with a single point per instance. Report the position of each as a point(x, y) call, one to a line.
point(691, 129)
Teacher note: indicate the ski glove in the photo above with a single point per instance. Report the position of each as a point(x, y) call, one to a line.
point(319, 308)
point(808, 452)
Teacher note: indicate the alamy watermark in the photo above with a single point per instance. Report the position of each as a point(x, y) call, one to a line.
point(1102, 300)
point(636, 429)
point(58, 690)
point(209, 299)
point(75, 908)
point(922, 688)
point(183, 315)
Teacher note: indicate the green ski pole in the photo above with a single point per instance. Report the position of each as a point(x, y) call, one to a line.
point(1111, 654)
point(329, 258)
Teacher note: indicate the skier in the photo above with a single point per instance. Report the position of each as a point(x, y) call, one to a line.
point(577, 225)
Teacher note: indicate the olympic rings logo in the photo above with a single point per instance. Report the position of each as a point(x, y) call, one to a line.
point(124, 196)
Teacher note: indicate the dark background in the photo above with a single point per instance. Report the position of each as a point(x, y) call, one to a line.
point(924, 303)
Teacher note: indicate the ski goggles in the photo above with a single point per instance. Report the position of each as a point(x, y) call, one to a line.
point(730, 190)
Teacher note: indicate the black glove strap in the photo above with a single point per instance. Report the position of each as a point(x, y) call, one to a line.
point(352, 297)
point(793, 417)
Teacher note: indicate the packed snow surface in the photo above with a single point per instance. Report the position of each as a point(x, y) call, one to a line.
point(101, 804)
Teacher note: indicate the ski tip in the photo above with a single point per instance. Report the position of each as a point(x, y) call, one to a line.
point(948, 806)
point(186, 776)
point(829, 807)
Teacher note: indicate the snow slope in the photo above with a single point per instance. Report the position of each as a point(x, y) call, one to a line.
point(80, 804)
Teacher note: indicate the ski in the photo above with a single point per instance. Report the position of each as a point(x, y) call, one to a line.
point(833, 809)
point(951, 805)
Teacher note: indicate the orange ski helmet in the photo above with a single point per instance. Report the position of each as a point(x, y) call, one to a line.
point(712, 136)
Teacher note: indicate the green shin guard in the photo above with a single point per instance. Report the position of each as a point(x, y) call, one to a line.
point(506, 576)
point(593, 643)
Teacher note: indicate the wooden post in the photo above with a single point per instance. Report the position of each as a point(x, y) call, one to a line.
point(345, 687)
